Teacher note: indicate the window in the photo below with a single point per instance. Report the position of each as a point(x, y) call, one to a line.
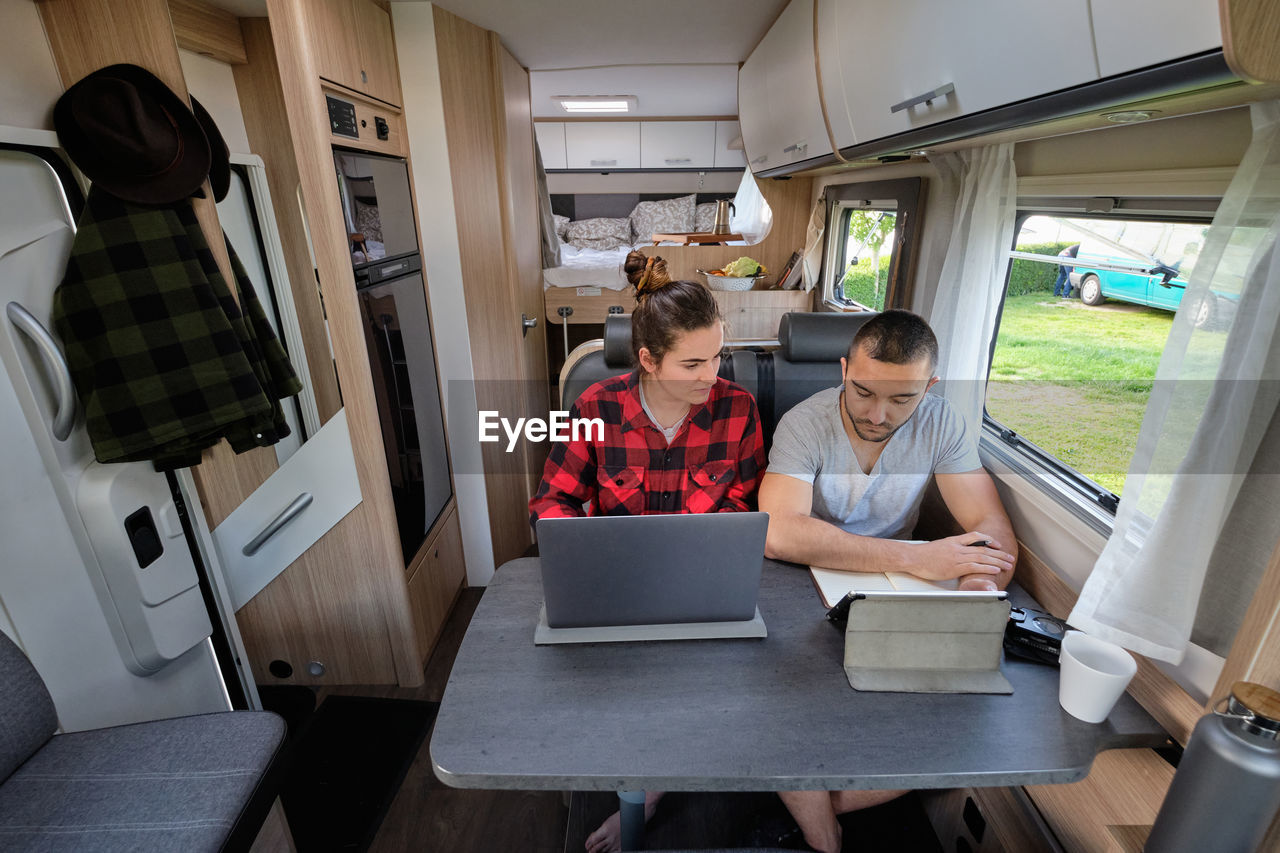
point(870, 251)
point(1077, 344)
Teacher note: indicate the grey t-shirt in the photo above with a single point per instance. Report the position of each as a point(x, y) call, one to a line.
point(810, 444)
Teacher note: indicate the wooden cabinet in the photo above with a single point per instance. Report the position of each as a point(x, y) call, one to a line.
point(379, 75)
point(677, 144)
point(877, 59)
point(658, 145)
point(778, 104)
point(550, 136)
point(353, 46)
point(434, 580)
point(727, 133)
point(1131, 34)
point(602, 144)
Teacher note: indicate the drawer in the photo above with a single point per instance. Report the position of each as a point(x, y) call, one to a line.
point(434, 582)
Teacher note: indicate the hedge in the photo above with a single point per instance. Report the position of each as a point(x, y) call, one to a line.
point(1034, 276)
point(859, 285)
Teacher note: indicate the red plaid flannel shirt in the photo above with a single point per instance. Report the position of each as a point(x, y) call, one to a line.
point(714, 463)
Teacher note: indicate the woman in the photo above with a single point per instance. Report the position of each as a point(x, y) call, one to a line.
point(677, 437)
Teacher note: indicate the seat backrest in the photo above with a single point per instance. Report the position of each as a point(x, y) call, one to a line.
point(27, 715)
point(595, 360)
point(807, 361)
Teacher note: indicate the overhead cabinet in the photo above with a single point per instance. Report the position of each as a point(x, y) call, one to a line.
point(677, 144)
point(894, 67)
point(657, 145)
point(778, 103)
point(883, 70)
point(602, 145)
point(353, 47)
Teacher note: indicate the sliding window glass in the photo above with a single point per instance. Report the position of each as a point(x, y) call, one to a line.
point(868, 265)
point(1088, 307)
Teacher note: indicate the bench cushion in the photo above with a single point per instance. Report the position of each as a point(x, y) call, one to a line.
point(27, 715)
point(170, 785)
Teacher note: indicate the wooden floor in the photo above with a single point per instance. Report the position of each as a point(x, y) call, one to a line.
point(426, 815)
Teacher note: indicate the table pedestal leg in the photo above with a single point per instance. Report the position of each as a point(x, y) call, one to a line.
point(631, 819)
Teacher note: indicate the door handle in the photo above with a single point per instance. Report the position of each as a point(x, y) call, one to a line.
point(926, 98)
point(64, 391)
point(288, 514)
point(527, 323)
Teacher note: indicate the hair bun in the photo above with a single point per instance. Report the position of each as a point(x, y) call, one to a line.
point(646, 273)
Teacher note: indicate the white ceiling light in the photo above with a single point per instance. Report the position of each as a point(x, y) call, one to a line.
point(1131, 116)
point(596, 103)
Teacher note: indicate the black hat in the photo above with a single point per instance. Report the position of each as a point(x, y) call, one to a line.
point(132, 136)
point(220, 168)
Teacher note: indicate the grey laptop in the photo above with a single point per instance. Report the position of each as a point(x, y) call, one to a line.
point(643, 577)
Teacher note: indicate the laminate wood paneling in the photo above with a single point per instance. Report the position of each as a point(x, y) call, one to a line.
point(1123, 790)
point(435, 578)
point(518, 169)
point(348, 595)
point(271, 138)
point(474, 131)
point(790, 202)
point(1250, 32)
point(367, 111)
point(207, 30)
point(377, 51)
point(331, 27)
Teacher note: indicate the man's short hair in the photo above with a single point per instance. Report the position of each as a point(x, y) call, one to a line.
point(897, 337)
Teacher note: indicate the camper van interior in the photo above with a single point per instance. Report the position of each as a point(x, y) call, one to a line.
point(389, 251)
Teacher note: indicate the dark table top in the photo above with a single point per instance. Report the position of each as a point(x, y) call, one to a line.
point(739, 715)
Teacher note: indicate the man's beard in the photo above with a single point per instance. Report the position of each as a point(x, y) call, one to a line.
point(873, 438)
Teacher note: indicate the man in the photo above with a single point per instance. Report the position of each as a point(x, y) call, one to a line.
point(847, 473)
point(1062, 287)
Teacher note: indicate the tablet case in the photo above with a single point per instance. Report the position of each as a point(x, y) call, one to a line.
point(926, 645)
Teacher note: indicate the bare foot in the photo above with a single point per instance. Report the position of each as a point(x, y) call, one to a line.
point(608, 836)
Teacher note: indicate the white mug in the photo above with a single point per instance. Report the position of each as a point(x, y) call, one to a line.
point(1092, 676)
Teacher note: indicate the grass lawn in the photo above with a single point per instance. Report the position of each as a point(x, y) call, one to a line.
point(1075, 380)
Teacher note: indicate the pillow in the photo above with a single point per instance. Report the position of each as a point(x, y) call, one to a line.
point(602, 233)
point(704, 218)
point(653, 217)
point(562, 227)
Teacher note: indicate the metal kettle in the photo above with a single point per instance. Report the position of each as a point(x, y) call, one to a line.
point(723, 206)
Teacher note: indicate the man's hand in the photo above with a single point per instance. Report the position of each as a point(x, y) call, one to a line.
point(960, 557)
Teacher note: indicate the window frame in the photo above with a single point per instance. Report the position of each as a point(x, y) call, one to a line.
point(1086, 499)
point(908, 197)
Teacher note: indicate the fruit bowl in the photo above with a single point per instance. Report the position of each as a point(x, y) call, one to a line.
point(730, 282)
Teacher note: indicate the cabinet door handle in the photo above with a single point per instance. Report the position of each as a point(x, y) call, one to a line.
point(288, 514)
point(926, 98)
point(762, 158)
point(604, 162)
point(527, 323)
point(671, 161)
point(64, 392)
point(799, 147)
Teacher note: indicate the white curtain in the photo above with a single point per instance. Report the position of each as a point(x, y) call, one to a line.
point(983, 182)
point(1216, 391)
point(813, 244)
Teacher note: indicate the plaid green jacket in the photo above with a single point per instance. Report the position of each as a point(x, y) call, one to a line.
point(164, 360)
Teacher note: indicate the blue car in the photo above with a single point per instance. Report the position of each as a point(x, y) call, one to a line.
point(1158, 287)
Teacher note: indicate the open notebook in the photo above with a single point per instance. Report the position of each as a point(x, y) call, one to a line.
point(832, 584)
